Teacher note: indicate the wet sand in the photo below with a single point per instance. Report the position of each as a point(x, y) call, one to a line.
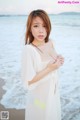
point(13, 113)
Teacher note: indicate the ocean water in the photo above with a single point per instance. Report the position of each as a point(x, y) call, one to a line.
point(66, 35)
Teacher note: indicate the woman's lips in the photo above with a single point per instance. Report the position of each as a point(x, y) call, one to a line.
point(40, 36)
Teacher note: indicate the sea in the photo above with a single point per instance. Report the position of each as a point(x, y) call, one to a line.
point(66, 36)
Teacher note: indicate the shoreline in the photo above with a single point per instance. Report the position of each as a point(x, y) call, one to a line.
point(13, 113)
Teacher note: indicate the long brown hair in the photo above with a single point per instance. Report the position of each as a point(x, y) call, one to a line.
point(44, 16)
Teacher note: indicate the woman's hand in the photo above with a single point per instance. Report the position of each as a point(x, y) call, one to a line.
point(59, 60)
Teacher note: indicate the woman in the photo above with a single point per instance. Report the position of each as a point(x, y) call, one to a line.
point(40, 63)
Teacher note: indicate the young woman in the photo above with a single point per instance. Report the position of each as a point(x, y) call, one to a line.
point(40, 63)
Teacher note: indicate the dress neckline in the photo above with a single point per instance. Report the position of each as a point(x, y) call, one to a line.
point(39, 54)
point(40, 45)
point(35, 48)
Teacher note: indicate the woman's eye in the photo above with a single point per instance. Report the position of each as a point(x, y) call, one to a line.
point(35, 25)
point(38, 26)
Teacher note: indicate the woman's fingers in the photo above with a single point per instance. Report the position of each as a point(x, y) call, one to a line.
point(61, 59)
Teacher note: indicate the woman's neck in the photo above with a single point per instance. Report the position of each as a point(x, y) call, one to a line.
point(38, 43)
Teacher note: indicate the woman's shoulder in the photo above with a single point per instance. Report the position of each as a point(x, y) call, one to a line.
point(28, 47)
point(52, 43)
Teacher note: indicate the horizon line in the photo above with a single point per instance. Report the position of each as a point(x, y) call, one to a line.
point(27, 14)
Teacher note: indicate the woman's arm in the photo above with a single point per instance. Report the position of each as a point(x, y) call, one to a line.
point(50, 67)
point(39, 76)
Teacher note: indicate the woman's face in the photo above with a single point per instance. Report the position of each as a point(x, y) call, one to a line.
point(38, 29)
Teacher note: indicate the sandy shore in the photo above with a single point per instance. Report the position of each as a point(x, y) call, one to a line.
point(13, 113)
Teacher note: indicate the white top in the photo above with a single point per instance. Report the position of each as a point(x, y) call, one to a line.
point(45, 101)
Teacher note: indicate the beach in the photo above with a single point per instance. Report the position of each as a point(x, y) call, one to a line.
point(66, 37)
point(13, 113)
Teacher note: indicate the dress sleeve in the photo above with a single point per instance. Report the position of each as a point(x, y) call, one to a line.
point(27, 67)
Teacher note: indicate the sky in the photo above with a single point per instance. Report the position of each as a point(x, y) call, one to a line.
point(26, 6)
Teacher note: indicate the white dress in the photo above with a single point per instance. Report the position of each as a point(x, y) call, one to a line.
point(43, 102)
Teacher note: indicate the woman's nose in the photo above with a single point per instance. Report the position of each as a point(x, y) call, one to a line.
point(41, 29)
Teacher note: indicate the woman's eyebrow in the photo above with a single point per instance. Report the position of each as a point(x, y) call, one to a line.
point(36, 23)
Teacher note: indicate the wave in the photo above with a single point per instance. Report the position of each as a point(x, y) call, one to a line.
point(67, 24)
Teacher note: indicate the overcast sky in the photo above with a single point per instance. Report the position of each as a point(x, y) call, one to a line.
point(26, 6)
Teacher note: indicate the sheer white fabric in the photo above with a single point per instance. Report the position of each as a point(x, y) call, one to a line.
point(44, 101)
